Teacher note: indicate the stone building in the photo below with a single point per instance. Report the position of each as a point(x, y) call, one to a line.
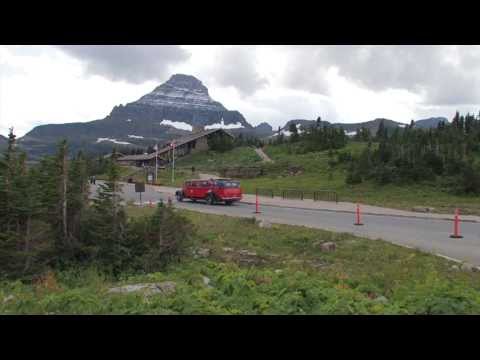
point(190, 144)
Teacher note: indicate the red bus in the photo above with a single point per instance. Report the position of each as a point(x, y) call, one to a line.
point(212, 191)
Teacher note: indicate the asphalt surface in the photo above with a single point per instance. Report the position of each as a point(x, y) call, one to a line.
point(424, 234)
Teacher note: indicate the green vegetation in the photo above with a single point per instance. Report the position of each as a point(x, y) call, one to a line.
point(47, 220)
point(288, 274)
point(356, 172)
point(212, 160)
point(447, 156)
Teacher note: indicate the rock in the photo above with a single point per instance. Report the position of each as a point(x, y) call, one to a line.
point(317, 263)
point(164, 288)
point(278, 271)
point(381, 299)
point(8, 298)
point(182, 99)
point(227, 249)
point(247, 253)
point(328, 246)
point(295, 170)
point(455, 267)
point(264, 224)
point(206, 281)
point(469, 267)
point(247, 257)
point(202, 252)
point(423, 209)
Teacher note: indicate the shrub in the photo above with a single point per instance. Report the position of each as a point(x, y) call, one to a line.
point(353, 177)
point(159, 239)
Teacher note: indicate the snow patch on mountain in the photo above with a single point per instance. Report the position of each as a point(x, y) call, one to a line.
point(350, 133)
point(222, 125)
point(288, 133)
point(135, 137)
point(177, 124)
point(99, 140)
point(129, 120)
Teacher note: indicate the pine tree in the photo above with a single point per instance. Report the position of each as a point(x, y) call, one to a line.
point(78, 194)
point(108, 221)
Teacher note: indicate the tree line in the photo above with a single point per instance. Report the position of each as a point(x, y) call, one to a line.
point(317, 137)
point(49, 220)
point(447, 153)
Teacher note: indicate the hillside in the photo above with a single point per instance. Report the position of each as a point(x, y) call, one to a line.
point(430, 122)
point(371, 125)
point(232, 266)
point(315, 175)
point(3, 141)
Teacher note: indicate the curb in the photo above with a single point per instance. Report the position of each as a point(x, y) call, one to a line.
point(353, 212)
point(364, 213)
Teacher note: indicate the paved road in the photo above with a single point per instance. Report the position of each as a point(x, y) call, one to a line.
point(425, 234)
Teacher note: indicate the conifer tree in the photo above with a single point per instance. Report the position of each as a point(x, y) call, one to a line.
point(109, 220)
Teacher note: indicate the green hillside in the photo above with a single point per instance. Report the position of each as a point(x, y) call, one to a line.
point(250, 270)
point(315, 175)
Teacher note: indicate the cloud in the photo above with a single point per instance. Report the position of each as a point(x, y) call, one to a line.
point(131, 63)
point(235, 66)
point(443, 74)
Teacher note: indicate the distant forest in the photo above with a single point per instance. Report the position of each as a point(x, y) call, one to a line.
point(447, 156)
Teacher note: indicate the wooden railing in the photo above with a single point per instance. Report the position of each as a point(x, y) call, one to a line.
point(315, 195)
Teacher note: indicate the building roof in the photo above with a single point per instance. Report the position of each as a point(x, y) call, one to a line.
point(178, 142)
point(137, 157)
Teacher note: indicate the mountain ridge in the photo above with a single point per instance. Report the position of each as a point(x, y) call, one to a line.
point(173, 109)
point(182, 100)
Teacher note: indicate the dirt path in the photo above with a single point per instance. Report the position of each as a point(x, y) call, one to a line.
point(262, 155)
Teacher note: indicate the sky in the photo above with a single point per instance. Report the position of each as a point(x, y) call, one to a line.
point(274, 84)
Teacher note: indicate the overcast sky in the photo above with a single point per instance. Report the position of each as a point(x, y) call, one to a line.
point(58, 84)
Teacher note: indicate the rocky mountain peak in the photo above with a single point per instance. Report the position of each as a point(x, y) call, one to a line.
point(181, 91)
point(183, 81)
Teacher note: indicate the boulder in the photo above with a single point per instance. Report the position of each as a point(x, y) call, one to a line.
point(163, 288)
point(247, 253)
point(264, 224)
point(206, 281)
point(8, 298)
point(227, 249)
point(317, 263)
point(469, 267)
point(247, 257)
point(381, 299)
point(202, 252)
point(328, 246)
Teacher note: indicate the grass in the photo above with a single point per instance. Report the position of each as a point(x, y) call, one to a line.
point(294, 277)
point(204, 162)
point(316, 176)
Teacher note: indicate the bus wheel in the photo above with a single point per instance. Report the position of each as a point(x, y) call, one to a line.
point(210, 200)
point(228, 202)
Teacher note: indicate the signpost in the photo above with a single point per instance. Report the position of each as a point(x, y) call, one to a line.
point(172, 146)
point(156, 163)
point(140, 188)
